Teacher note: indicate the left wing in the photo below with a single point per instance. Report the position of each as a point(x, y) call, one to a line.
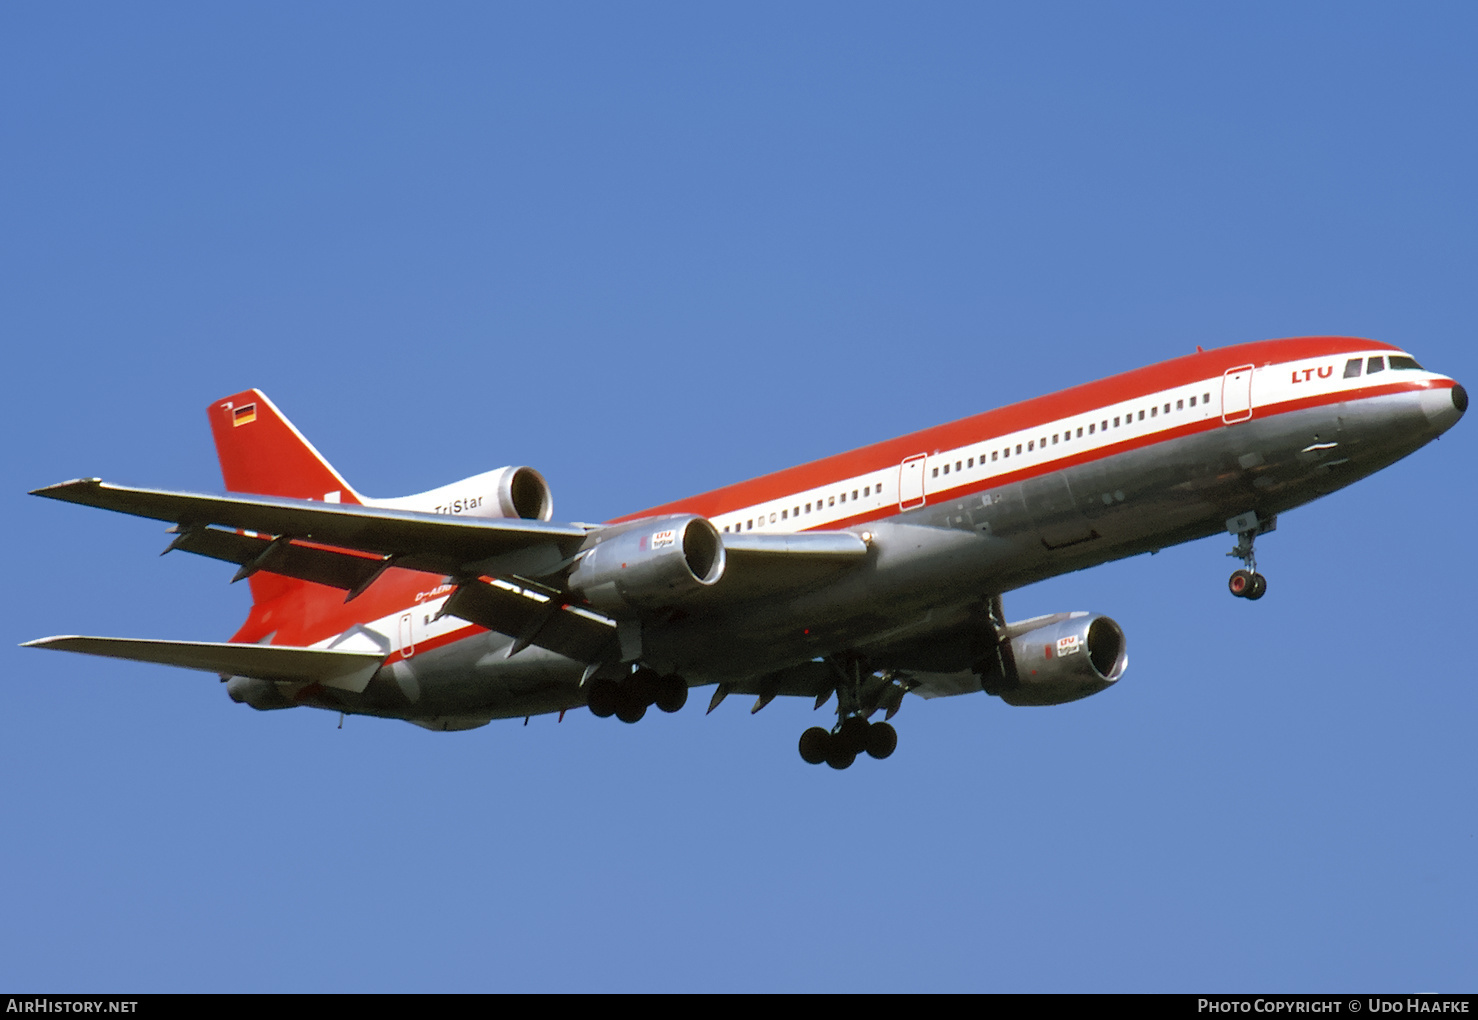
point(435, 543)
point(331, 667)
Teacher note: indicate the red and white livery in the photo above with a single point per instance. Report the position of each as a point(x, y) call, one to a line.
point(870, 574)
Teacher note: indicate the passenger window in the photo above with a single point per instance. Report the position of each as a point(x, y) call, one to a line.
point(994, 454)
point(808, 508)
point(936, 473)
point(1018, 449)
point(782, 514)
point(865, 490)
point(1006, 452)
point(854, 494)
point(1141, 416)
point(1080, 430)
point(1167, 407)
point(1193, 401)
point(1031, 444)
point(1054, 439)
point(1153, 411)
point(957, 465)
point(970, 462)
point(1205, 398)
point(1375, 365)
point(749, 524)
point(832, 501)
point(1116, 423)
point(844, 497)
point(1180, 405)
point(1090, 430)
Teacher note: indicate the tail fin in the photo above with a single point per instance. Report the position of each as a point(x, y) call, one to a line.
point(262, 452)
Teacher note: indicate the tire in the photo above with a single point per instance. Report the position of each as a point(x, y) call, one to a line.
point(603, 697)
point(852, 734)
point(882, 740)
point(838, 758)
point(630, 710)
point(1258, 589)
point(671, 693)
point(815, 743)
point(1240, 583)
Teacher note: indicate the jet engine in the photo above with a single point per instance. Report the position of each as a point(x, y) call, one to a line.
point(506, 492)
point(649, 563)
point(1071, 657)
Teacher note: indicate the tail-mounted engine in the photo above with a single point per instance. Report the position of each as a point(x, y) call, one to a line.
point(649, 563)
point(506, 492)
point(1061, 659)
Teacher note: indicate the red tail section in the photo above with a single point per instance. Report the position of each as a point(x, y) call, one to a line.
point(262, 452)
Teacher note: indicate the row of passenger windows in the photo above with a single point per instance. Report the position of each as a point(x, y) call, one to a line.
point(1004, 453)
point(1399, 362)
point(1352, 371)
point(796, 511)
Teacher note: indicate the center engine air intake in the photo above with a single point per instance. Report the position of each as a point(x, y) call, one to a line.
point(649, 563)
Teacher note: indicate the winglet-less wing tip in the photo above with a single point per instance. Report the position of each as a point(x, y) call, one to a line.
point(55, 491)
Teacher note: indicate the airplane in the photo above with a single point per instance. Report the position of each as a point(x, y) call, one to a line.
point(868, 575)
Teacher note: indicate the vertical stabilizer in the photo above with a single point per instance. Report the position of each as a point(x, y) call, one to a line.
point(262, 452)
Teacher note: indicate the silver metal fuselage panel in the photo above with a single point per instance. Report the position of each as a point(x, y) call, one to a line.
point(929, 569)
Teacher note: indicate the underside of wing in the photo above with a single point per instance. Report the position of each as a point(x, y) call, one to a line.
point(330, 666)
point(435, 543)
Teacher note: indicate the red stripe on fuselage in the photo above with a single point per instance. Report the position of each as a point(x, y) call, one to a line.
point(985, 428)
point(315, 613)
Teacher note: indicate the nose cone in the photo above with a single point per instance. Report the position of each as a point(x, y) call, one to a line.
point(1445, 406)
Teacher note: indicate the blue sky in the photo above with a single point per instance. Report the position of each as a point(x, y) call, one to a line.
point(652, 249)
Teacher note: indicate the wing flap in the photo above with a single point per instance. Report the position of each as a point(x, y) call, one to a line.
point(531, 618)
point(329, 666)
point(330, 567)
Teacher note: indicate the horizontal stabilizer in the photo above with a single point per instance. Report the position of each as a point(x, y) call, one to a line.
point(329, 666)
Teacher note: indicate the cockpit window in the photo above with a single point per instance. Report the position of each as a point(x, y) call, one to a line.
point(1401, 361)
point(1375, 365)
point(1352, 368)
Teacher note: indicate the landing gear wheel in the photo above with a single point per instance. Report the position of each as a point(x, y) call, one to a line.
point(851, 735)
point(815, 743)
point(838, 757)
point(670, 693)
point(603, 698)
point(629, 709)
point(1259, 588)
point(1240, 583)
point(882, 740)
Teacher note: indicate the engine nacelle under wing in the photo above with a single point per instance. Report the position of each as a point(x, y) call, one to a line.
point(506, 492)
point(1059, 662)
point(649, 563)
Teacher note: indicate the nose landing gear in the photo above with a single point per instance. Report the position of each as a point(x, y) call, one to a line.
point(1248, 583)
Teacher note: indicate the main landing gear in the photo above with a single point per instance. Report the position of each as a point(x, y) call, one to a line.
point(841, 746)
point(1248, 583)
point(859, 695)
point(629, 698)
